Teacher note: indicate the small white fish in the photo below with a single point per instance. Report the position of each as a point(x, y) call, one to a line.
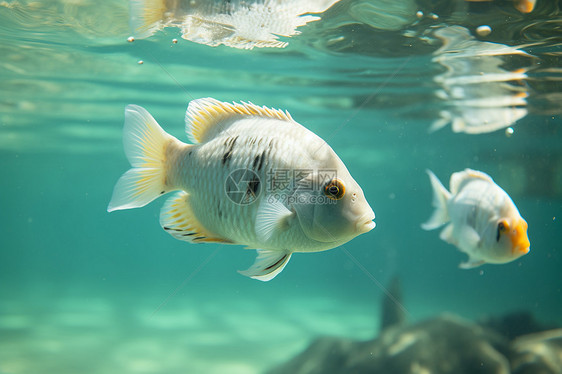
point(483, 220)
point(253, 176)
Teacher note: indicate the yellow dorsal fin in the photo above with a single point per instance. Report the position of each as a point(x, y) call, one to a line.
point(204, 114)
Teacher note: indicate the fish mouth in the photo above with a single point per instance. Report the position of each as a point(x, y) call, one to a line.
point(365, 223)
point(519, 239)
point(521, 250)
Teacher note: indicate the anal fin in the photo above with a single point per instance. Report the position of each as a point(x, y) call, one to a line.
point(178, 219)
point(471, 263)
point(268, 265)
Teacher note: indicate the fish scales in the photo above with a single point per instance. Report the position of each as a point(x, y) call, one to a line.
point(237, 220)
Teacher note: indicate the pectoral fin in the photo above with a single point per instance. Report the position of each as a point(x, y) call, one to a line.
point(271, 216)
point(464, 237)
point(469, 239)
point(267, 265)
point(447, 234)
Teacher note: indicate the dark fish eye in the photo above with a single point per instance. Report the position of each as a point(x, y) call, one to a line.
point(502, 227)
point(335, 189)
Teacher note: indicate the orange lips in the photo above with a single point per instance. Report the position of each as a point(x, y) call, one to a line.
point(519, 239)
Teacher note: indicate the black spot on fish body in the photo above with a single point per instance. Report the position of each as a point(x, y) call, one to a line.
point(219, 210)
point(253, 187)
point(226, 157)
point(258, 161)
point(189, 234)
point(199, 238)
point(229, 143)
point(262, 157)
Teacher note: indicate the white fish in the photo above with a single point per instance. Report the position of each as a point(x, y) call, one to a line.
point(483, 220)
point(253, 176)
point(241, 24)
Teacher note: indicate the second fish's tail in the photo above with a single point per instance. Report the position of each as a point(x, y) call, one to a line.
point(440, 215)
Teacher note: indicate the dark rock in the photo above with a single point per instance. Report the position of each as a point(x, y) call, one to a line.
point(515, 324)
point(443, 345)
point(321, 357)
point(392, 311)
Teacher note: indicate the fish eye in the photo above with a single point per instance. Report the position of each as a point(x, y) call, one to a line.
point(335, 189)
point(503, 226)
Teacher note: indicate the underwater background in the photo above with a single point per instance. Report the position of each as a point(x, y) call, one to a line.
point(85, 291)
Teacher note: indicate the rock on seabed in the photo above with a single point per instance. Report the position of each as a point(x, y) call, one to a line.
point(442, 345)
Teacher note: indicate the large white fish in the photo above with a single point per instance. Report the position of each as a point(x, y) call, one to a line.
point(483, 220)
point(253, 176)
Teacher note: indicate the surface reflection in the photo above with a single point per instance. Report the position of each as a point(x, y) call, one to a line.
point(480, 95)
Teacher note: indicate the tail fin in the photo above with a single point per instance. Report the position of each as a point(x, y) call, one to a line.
point(440, 196)
point(146, 16)
point(145, 145)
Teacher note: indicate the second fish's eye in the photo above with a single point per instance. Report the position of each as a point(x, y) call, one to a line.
point(502, 227)
point(335, 189)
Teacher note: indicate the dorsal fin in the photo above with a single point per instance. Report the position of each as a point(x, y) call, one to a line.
point(204, 114)
point(458, 179)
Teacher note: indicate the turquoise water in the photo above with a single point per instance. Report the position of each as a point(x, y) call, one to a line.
point(85, 291)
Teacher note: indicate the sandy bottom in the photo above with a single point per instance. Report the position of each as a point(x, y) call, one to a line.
point(194, 334)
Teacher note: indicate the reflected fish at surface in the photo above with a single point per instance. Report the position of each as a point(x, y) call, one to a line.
point(524, 6)
point(253, 176)
point(480, 96)
point(241, 24)
point(482, 219)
